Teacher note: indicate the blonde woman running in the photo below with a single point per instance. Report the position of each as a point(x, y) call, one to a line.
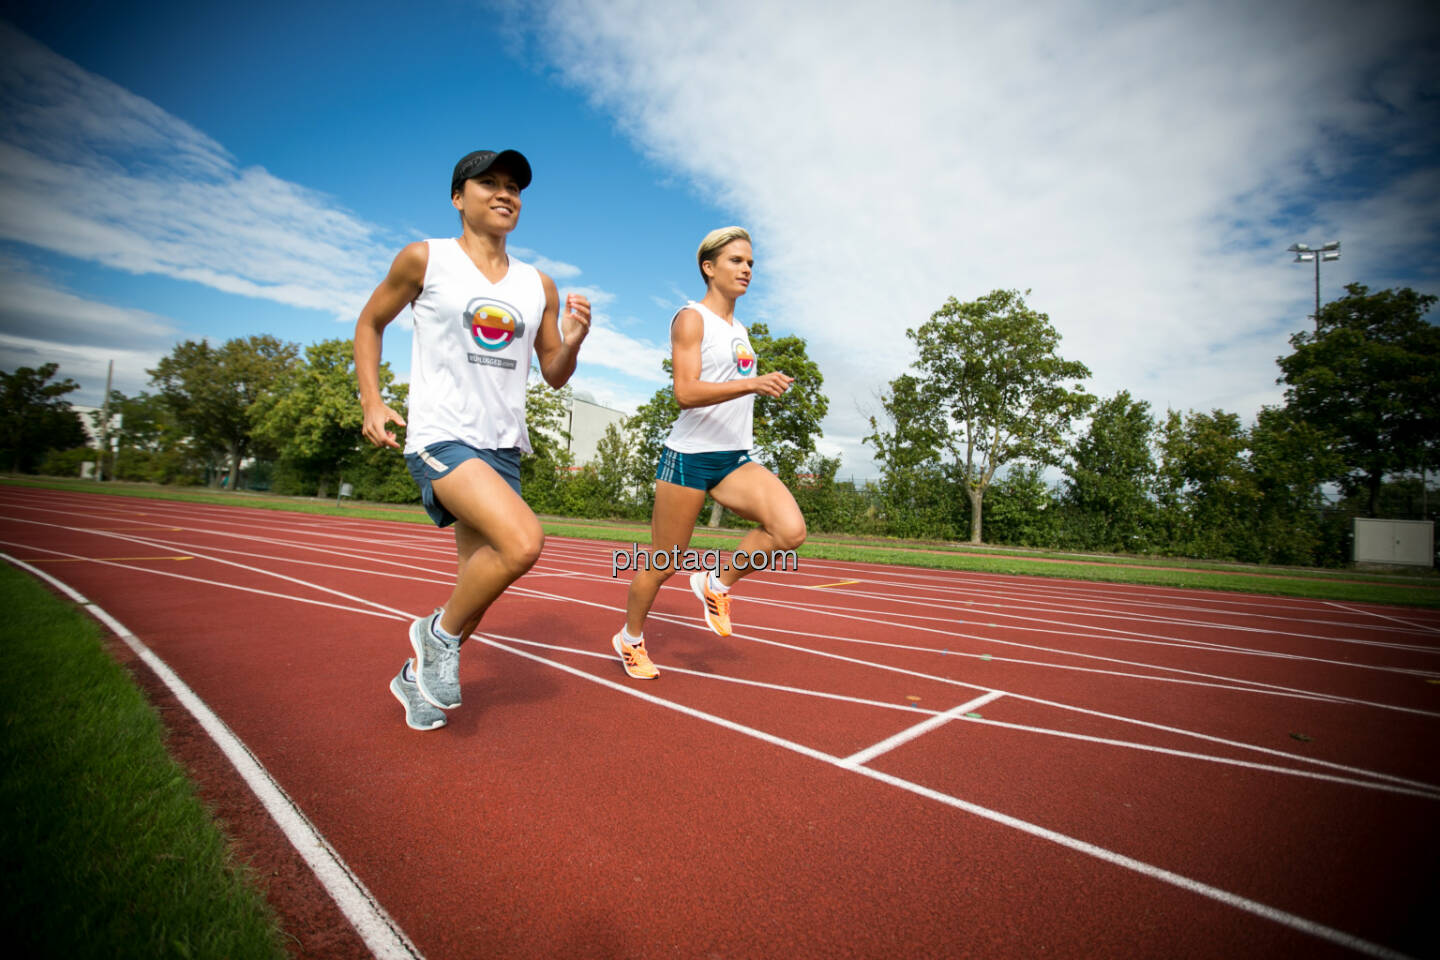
point(708, 449)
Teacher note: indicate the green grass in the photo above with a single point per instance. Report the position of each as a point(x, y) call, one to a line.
point(105, 850)
point(1420, 588)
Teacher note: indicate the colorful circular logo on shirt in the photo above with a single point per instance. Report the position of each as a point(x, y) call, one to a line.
point(744, 357)
point(493, 324)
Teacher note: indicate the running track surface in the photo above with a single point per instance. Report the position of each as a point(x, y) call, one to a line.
point(881, 762)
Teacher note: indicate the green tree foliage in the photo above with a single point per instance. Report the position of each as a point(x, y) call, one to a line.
point(312, 419)
point(991, 390)
point(614, 469)
point(379, 474)
point(1369, 376)
point(1289, 461)
point(150, 443)
point(34, 417)
point(786, 426)
point(1021, 508)
point(214, 392)
point(916, 497)
point(1111, 472)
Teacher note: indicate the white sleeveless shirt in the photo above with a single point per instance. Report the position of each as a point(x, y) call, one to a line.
point(470, 353)
point(725, 355)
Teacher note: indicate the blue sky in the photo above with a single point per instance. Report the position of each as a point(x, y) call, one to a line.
point(173, 171)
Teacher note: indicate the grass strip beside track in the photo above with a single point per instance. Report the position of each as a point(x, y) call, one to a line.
point(105, 849)
point(1420, 590)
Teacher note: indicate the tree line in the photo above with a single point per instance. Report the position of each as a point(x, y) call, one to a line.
point(964, 439)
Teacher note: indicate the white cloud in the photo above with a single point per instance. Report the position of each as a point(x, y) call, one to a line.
point(90, 170)
point(1139, 166)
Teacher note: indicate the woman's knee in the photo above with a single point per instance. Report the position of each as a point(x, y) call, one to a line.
point(520, 551)
point(789, 534)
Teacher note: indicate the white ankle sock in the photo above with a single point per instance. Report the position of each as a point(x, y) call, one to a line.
point(439, 631)
point(716, 585)
point(633, 641)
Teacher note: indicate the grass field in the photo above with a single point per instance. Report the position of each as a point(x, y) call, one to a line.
point(105, 850)
point(1420, 588)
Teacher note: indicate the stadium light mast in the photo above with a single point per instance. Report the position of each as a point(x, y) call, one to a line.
point(1304, 253)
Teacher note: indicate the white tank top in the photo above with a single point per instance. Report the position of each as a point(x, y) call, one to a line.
point(725, 355)
point(470, 353)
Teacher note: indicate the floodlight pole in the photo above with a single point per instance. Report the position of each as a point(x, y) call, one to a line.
point(1304, 252)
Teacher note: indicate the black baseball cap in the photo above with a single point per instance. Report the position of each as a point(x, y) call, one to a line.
point(477, 162)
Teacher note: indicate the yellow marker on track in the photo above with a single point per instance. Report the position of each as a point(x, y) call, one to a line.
point(838, 583)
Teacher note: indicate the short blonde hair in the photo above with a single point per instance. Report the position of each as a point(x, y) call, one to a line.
point(714, 242)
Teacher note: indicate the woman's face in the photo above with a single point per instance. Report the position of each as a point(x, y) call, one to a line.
point(490, 201)
point(729, 272)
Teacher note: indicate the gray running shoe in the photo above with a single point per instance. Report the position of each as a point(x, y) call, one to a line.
point(437, 664)
point(420, 714)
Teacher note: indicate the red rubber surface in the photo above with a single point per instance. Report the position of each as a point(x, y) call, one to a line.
point(558, 816)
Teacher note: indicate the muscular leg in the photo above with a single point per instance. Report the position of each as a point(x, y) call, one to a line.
point(671, 524)
point(497, 539)
point(757, 494)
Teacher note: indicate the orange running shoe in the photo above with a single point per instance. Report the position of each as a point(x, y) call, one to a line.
point(717, 605)
point(635, 660)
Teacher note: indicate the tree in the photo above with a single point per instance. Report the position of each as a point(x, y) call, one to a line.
point(995, 386)
point(909, 444)
point(34, 419)
point(1369, 375)
point(214, 393)
point(613, 467)
point(1289, 460)
point(1111, 471)
point(149, 442)
point(312, 419)
point(786, 426)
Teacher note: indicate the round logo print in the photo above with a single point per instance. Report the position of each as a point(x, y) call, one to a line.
point(493, 325)
point(744, 357)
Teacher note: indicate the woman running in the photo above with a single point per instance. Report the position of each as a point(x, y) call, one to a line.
point(478, 314)
point(707, 450)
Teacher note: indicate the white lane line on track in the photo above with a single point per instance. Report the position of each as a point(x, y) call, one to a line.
point(379, 931)
point(1250, 686)
point(1242, 903)
point(825, 654)
point(1374, 613)
point(861, 757)
point(1256, 686)
point(1392, 784)
point(899, 620)
point(1151, 871)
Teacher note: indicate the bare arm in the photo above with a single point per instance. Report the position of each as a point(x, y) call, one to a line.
point(686, 333)
point(400, 286)
point(557, 354)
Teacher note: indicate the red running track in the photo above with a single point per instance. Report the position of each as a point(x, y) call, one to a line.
point(881, 762)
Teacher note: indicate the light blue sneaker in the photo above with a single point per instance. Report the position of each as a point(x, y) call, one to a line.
point(437, 664)
point(420, 714)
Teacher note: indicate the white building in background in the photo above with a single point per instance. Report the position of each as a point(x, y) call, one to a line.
point(587, 423)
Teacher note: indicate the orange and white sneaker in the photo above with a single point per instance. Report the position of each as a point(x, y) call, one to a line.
point(717, 605)
point(635, 660)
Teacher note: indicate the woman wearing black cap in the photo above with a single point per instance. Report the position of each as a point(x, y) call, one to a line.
point(478, 315)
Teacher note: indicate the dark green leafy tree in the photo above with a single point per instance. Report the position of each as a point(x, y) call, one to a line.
point(1111, 472)
point(1289, 461)
point(613, 468)
point(1205, 487)
point(215, 391)
point(786, 426)
point(150, 444)
point(1369, 376)
point(916, 484)
point(996, 387)
point(34, 417)
point(312, 418)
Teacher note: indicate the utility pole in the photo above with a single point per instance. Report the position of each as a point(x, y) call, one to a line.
point(105, 424)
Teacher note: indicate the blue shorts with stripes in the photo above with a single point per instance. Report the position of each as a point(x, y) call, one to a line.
point(438, 459)
point(700, 471)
